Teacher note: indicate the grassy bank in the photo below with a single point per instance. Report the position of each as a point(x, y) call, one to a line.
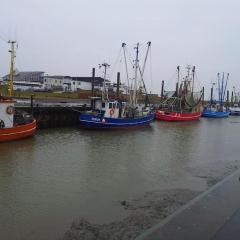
point(83, 94)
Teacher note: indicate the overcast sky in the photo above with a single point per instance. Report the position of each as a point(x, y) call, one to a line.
point(69, 37)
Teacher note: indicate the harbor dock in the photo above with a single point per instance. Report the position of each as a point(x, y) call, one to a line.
point(55, 112)
point(213, 215)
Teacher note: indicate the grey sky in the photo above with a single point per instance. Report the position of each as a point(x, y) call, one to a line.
point(70, 37)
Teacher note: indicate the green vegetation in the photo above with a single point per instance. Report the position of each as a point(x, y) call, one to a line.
point(4, 90)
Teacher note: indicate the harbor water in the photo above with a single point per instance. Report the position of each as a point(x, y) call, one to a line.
point(63, 174)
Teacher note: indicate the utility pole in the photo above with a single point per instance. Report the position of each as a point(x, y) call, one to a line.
point(12, 53)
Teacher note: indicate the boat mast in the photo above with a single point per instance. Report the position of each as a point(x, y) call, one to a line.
point(178, 79)
point(187, 80)
point(145, 60)
point(104, 92)
point(142, 71)
point(193, 75)
point(135, 78)
point(126, 68)
point(219, 97)
point(12, 53)
point(225, 87)
point(221, 101)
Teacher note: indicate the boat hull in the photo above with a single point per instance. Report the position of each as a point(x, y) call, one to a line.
point(235, 111)
point(97, 121)
point(18, 132)
point(175, 116)
point(215, 114)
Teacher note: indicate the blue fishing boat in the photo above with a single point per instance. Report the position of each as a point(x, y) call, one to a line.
point(217, 109)
point(213, 113)
point(115, 113)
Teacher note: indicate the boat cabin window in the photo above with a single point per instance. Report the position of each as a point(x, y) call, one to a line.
point(103, 104)
point(114, 105)
point(110, 105)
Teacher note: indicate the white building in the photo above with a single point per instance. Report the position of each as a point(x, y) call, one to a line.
point(85, 83)
point(57, 82)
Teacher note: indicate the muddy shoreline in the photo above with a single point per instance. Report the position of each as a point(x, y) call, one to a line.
point(143, 213)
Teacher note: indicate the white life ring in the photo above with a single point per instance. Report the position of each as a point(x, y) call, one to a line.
point(111, 111)
point(10, 110)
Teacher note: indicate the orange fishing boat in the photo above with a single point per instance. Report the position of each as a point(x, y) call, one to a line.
point(14, 125)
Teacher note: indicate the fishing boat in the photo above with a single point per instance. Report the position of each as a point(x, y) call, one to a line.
point(14, 125)
point(216, 109)
point(183, 104)
point(235, 109)
point(109, 113)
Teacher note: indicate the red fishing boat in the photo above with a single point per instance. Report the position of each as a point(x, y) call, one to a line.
point(182, 104)
point(14, 125)
point(176, 116)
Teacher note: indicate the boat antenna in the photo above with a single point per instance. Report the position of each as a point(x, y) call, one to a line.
point(12, 53)
point(104, 92)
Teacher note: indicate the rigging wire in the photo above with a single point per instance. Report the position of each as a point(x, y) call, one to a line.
point(150, 56)
point(3, 39)
point(115, 64)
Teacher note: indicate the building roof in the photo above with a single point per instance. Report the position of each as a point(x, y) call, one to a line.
point(22, 75)
point(56, 76)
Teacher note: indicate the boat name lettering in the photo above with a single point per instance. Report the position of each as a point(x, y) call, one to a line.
point(96, 119)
